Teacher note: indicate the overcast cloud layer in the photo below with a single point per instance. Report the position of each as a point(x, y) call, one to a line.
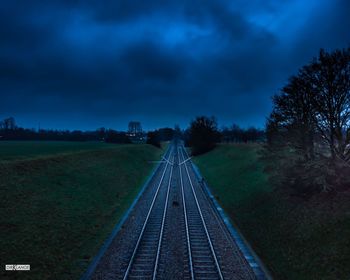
point(86, 64)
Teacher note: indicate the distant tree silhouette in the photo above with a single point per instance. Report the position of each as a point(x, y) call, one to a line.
point(165, 134)
point(113, 136)
point(153, 138)
point(8, 123)
point(235, 134)
point(159, 135)
point(177, 132)
point(9, 131)
point(101, 132)
point(203, 135)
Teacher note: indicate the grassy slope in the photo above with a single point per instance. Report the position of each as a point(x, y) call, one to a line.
point(57, 210)
point(296, 239)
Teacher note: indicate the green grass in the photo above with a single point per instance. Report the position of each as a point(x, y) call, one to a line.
point(17, 150)
point(57, 210)
point(296, 239)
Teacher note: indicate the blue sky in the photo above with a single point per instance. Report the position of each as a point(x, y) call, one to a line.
point(88, 64)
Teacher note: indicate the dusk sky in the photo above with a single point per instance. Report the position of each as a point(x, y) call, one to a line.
point(87, 64)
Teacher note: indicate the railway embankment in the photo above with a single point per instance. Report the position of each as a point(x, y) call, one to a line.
point(296, 238)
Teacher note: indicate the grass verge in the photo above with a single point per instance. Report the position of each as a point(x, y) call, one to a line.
point(297, 239)
point(57, 210)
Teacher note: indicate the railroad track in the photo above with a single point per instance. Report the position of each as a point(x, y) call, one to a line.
point(224, 240)
point(145, 257)
point(206, 242)
point(202, 258)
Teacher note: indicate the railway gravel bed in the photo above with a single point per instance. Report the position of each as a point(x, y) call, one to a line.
point(231, 260)
point(115, 260)
point(174, 232)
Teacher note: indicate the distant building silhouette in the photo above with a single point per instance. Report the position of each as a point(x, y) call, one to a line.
point(134, 128)
point(135, 132)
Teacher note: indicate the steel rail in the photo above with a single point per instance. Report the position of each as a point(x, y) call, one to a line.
point(203, 221)
point(214, 211)
point(126, 274)
point(186, 221)
point(221, 223)
point(162, 227)
point(244, 260)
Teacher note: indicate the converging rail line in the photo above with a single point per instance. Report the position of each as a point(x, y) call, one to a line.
point(202, 258)
point(176, 232)
point(144, 260)
point(203, 261)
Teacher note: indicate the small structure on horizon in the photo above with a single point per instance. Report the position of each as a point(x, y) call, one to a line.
point(134, 128)
point(135, 133)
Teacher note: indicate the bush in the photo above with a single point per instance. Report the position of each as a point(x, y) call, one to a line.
point(153, 139)
point(117, 137)
point(203, 135)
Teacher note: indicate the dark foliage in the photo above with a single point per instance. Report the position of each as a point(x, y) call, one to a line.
point(160, 135)
point(8, 124)
point(153, 138)
point(165, 134)
point(308, 131)
point(113, 136)
point(202, 135)
point(235, 134)
point(9, 131)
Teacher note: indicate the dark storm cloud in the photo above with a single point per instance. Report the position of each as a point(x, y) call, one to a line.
point(145, 61)
point(162, 62)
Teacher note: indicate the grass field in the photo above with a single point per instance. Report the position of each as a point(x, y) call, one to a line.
point(297, 239)
point(61, 202)
point(17, 150)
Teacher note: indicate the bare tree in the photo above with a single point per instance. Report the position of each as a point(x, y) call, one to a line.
point(314, 108)
point(294, 113)
point(329, 76)
point(9, 123)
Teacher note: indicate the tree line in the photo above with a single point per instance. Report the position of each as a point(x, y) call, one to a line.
point(202, 134)
point(10, 131)
point(236, 134)
point(308, 130)
point(157, 136)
